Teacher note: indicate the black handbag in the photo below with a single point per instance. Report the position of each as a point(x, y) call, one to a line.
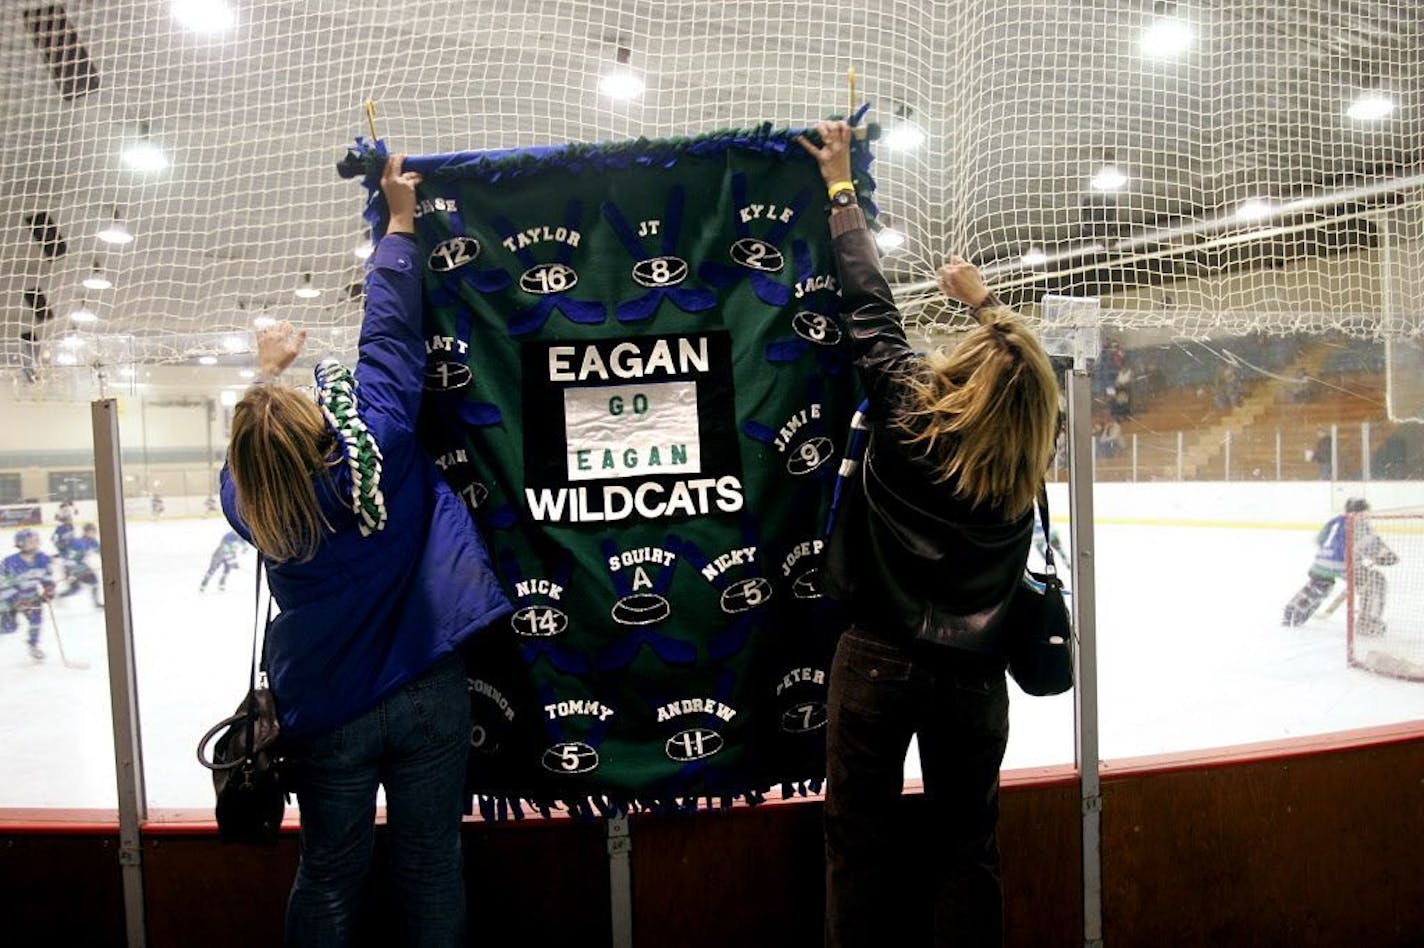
point(1039, 632)
point(247, 759)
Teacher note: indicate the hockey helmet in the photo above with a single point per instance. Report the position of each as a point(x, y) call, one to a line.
point(1356, 505)
point(24, 537)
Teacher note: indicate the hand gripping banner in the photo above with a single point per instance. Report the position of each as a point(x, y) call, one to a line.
point(637, 382)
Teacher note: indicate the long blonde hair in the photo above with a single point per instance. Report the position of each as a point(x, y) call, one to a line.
point(986, 412)
point(278, 448)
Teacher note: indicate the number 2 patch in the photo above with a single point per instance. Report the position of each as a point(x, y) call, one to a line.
point(757, 255)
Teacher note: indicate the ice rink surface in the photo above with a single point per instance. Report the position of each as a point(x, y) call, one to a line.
point(1192, 656)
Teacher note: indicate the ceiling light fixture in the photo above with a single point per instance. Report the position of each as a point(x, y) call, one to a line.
point(204, 16)
point(1371, 107)
point(143, 154)
point(116, 232)
point(1108, 178)
point(306, 291)
point(621, 82)
point(84, 315)
point(96, 280)
point(1255, 209)
point(1034, 257)
point(363, 251)
point(263, 322)
point(1168, 36)
point(207, 360)
point(889, 239)
point(905, 134)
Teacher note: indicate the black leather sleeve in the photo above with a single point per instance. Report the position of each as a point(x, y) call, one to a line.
point(878, 345)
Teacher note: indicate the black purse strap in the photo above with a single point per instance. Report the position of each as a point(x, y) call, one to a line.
point(259, 627)
point(1048, 566)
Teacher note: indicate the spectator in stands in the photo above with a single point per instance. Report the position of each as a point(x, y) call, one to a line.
point(1112, 438)
point(1320, 454)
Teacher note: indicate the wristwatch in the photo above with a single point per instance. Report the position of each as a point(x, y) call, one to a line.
point(844, 198)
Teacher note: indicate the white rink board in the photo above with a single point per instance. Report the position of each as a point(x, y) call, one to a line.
point(1191, 651)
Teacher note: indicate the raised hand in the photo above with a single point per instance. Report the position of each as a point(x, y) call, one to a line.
point(277, 345)
point(833, 155)
point(960, 280)
point(399, 189)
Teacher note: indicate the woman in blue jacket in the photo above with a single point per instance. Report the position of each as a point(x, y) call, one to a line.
point(380, 575)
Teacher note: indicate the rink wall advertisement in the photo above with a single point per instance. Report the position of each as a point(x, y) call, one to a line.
point(637, 384)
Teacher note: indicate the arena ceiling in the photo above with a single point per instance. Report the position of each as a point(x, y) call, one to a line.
point(1020, 102)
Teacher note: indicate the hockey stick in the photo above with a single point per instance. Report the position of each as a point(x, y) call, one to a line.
point(54, 624)
point(1330, 609)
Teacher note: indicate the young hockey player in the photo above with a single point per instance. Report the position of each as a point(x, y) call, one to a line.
point(1369, 551)
point(26, 584)
point(224, 558)
point(80, 559)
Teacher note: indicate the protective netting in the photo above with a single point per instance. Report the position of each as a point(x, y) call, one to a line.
point(1386, 589)
point(1020, 106)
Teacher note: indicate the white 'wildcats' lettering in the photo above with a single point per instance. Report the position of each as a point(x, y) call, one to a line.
point(814, 676)
point(769, 212)
point(696, 706)
point(538, 587)
point(650, 500)
point(799, 550)
point(727, 560)
point(628, 360)
point(584, 706)
point(538, 235)
point(794, 424)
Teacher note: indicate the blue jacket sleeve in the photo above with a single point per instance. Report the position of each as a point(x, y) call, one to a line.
point(390, 369)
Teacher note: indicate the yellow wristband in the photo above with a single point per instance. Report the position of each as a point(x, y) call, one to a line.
point(840, 186)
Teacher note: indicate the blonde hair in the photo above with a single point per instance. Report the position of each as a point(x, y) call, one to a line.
point(986, 412)
point(278, 448)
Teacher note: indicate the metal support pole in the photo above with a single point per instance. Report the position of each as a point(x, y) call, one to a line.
point(1364, 450)
point(1335, 452)
point(1179, 456)
point(1134, 456)
point(620, 881)
point(123, 683)
point(1085, 693)
point(1227, 470)
point(1278, 454)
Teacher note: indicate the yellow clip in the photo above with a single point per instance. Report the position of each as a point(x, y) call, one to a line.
point(371, 118)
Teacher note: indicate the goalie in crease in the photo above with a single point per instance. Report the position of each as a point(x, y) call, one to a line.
point(1330, 564)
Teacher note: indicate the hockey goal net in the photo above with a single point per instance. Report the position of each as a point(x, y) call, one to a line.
point(1385, 584)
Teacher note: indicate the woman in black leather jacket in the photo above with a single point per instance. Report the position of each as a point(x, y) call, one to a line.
point(924, 560)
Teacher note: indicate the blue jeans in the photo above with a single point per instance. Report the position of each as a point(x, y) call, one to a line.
point(415, 743)
point(957, 702)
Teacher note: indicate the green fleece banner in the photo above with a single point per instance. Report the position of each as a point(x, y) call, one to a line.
point(638, 384)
